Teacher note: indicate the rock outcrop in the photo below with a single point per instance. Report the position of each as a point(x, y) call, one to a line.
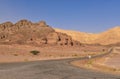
point(26, 32)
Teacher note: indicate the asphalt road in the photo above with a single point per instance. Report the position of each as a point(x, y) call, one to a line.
point(52, 69)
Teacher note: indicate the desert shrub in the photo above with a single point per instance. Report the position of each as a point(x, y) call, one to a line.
point(85, 50)
point(103, 50)
point(26, 60)
point(35, 52)
point(61, 55)
point(90, 62)
point(15, 54)
point(75, 55)
point(50, 55)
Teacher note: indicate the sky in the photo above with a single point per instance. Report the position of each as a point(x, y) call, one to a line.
point(91, 16)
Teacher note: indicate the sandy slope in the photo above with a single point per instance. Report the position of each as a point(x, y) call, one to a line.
point(110, 36)
point(80, 36)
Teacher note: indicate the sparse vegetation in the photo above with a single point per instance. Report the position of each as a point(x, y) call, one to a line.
point(103, 50)
point(75, 55)
point(26, 60)
point(85, 50)
point(50, 55)
point(61, 55)
point(15, 54)
point(89, 63)
point(35, 52)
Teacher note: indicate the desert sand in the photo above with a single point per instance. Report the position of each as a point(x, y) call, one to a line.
point(17, 53)
point(109, 63)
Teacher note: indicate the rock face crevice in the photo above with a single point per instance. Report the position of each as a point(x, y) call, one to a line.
point(26, 32)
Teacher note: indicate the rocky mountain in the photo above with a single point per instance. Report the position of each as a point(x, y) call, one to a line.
point(111, 36)
point(27, 32)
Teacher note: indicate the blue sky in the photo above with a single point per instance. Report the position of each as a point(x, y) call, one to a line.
point(82, 15)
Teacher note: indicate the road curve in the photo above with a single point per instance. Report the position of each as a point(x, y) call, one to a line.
point(54, 69)
point(50, 69)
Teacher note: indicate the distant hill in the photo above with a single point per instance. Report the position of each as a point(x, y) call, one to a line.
point(27, 32)
point(111, 36)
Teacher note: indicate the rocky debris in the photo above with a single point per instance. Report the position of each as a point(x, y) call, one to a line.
point(26, 32)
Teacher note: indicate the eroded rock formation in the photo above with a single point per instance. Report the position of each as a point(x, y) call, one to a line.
point(26, 32)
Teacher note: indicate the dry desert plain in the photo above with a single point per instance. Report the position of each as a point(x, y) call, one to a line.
point(56, 50)
point(21, 53)
point(17, 53)
point(47, 68)
point(109, 63)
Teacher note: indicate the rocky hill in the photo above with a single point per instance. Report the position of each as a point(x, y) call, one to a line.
point(26, 32)
point(111, 36)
